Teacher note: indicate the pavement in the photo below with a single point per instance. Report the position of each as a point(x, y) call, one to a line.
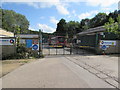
point(104, 67)
point(56, 72)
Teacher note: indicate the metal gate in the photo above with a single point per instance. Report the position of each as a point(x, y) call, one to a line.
point(50, 50)
point(60, 45)
point(53, 50)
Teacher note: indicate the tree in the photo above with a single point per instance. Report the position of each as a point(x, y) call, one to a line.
point(61, 28)
point(85, 24)
point(98, 20)
point(72, 28)
point(113, 27)
point(12, 21)
point(0, 17)
point(113, 15)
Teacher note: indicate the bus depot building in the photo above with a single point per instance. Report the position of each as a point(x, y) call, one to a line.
point(99, 40)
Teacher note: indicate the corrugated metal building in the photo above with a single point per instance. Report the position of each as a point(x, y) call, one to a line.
point(99, 40)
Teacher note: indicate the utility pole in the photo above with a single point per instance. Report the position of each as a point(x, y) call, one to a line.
point(40, 43)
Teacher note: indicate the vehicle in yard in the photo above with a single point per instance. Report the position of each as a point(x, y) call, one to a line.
point(57, 41)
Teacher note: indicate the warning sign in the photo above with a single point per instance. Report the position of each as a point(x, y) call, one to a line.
point(35, 44)
point(35, 41)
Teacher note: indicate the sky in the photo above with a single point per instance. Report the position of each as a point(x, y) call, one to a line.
point(45, 14)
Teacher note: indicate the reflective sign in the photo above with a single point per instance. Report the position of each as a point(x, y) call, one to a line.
point(35, 47)
point(104, 47)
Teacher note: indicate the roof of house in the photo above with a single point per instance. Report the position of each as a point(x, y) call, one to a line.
point(4, 33)
point(92, 30)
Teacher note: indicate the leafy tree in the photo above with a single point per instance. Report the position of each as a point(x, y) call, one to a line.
point(98, 20)
point(72, 28)
point(14, 21)
point(0, 17)
point(113, 27)
point(113, 15)
point(61, 28)
point(85, 24)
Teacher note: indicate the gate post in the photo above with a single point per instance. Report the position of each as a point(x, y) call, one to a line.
point(49, 49)
point(63, 50)
point(40, 43)
point(70, 49)
point(56, 50)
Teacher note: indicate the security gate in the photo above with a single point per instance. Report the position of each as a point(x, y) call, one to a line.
point(56, 50)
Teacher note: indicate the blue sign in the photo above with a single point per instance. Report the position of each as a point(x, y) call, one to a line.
point(35, 47)
point(28, 43)
point(104, 47)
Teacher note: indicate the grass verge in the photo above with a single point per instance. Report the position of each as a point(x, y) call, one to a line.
point(7, 66)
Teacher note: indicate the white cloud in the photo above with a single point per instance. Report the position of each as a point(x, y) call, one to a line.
point(53, 20)
point(46, 28)
point(62, 10)
point(102, 3)
point(60, 7)
point(30, 28)
point(87, 14)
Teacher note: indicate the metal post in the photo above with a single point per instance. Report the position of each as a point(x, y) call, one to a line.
point(63, 50)
point(40, 43)
point(49, 49)
point(56, 50)
point(70, 49)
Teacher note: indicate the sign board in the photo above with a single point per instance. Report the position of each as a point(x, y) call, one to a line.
point(35, 41)
point(7, 41)
point(28, 43)
point(35, 47)
point(28, 36)
point(107, 42)
point(104, 47)
point(35, 44)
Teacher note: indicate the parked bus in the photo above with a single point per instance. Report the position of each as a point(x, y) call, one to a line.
point(57, 41)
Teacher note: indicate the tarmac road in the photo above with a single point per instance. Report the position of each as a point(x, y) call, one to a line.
point(52, 72)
